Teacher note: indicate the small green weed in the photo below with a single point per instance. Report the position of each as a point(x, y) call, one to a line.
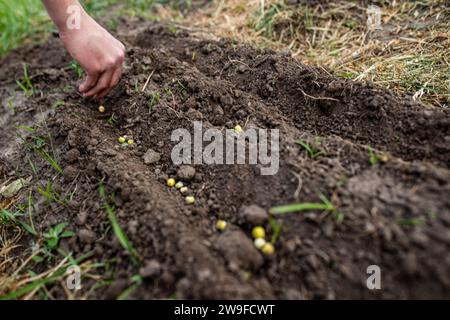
point(312, 149)
point(156, 97)
point(276, 229)
point(76, 68)
point(25, 82)
point(54, 235)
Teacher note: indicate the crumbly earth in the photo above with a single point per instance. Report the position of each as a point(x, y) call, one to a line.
point(394, 213)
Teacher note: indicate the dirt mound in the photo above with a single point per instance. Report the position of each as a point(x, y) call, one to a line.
point(392, 199)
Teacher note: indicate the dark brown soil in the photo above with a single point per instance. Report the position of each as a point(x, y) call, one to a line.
point(396, 213)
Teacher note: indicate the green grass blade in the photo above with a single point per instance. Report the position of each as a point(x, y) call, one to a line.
point(49, 159)
point(49, 196)
point(276, 229)
point(24, 290)
point(326, 205)
point(120, 234)
point(30, 211)
point(296, 207)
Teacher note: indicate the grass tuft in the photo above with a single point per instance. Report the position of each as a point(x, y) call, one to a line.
point(25, 83)
point(312, 149)
point(409, 54)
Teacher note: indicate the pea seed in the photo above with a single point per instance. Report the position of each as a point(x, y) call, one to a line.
point(170, 182)
point(268, 248)
point(221, 225)
point(259, 243)
point(190, 200)
point(258, 232)
point(184, 189)
point(179, 185)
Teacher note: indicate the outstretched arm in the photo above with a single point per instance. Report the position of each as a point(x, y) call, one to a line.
point(99, 54)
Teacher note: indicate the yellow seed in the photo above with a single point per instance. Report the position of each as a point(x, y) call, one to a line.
point(238, 129)
point(384, 158)
point(101, 109)
point(170, 182)
point(121, 140)
point(259, 243)
point(130, 141)
point(184, 189)
point(221, 225)
point(179, 185)
point(258, 232)
point(190, 199)
point(268, 248)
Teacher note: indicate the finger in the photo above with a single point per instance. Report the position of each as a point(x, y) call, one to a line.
point(116, 75)
point(102, 93)
point(102, 83)
point(89, 82)
point(122, 46)
point(114, 81)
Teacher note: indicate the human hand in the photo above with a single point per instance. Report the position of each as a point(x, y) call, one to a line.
point(99, 54)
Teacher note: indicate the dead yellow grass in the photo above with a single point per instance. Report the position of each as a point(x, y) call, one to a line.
point(8, 261)
point(410, 53)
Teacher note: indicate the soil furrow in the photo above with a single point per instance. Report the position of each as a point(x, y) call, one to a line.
point(380, 159)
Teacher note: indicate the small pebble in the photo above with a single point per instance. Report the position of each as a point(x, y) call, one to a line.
point(186, 173)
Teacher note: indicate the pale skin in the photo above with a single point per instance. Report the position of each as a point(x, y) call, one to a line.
point(99, 54)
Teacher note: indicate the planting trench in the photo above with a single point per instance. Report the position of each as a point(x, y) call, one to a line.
point(393, 213)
